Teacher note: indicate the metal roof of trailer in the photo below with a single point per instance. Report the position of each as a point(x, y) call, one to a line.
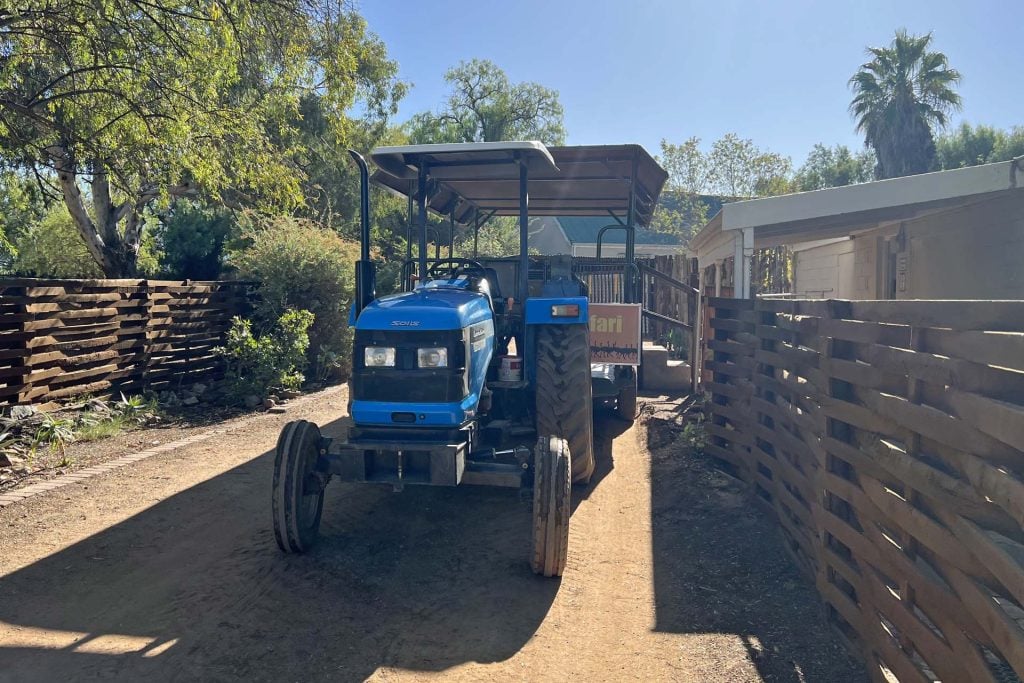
point(586, 180)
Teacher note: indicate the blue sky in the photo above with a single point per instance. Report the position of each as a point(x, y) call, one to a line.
point(775, 72)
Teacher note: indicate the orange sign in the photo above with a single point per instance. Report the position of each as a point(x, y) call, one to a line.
point(615, 333)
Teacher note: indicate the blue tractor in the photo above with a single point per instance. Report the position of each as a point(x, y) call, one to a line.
point(480, 371)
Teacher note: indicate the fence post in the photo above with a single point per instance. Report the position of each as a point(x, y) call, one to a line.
point(24, 360)
point(829, 464)
point(147, 322)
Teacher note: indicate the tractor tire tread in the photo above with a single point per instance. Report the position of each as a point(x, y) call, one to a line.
point(295, 455)
point(564, 399)
point(552, 493)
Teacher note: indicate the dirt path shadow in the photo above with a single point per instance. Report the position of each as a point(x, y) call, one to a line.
point(423, 580)
point(719, 567)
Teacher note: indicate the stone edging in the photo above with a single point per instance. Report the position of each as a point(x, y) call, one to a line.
point(81, 475)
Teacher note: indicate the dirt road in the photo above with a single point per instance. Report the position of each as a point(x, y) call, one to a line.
point(166, 570)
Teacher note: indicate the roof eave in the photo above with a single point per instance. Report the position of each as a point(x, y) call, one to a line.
point(874, 196)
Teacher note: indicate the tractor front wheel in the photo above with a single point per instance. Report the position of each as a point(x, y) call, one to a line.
point(565, 403)
point(552, 488)
point(298, 488)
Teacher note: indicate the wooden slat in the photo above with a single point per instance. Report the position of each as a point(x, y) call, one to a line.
point(887, 439)
point(61, 338)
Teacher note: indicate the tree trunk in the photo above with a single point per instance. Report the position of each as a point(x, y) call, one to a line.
point(116, 252)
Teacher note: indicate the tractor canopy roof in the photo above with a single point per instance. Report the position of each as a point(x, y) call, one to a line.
point(482, 178)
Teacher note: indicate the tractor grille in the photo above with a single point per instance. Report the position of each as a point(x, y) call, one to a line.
point(406, 383)
point(403, 386)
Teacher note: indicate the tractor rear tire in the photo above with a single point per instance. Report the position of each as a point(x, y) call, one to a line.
point(565, 401)
point(552, 491)
point(298, 489)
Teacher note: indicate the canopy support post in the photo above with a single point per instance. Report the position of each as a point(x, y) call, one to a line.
point(422, 201)
point(451, 235)
point(410, 218)
point(524, 233)
point(629, 277)
point(476, 233)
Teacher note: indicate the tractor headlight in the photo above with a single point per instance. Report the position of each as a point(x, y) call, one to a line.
point(433, 357)
point(379, 357)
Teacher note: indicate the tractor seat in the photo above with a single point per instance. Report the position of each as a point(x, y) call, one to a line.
point(490, 281)
point(491, 275)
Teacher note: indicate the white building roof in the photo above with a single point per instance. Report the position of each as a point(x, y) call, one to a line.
point(842, 211)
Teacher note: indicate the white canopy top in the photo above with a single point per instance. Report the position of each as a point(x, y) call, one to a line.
point(468, 179)
point(488, 159)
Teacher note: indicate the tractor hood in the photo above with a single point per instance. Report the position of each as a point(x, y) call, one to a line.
point(433, 308)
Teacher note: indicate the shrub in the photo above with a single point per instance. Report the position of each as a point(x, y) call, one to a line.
point(302, 266)
point(191, 237)
point(274, 360)
point(54, 248)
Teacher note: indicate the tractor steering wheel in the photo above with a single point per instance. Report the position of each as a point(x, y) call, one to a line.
point(450, 268)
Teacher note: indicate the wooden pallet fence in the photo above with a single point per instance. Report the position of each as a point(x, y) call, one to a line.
point(887, 439)
point(64, 338)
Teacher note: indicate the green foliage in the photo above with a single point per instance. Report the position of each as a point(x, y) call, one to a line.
point(690, 175)
point(148, 101)
point(904, 92)
point(741, 169)
point(191, 238)
point(483, 105)
point(972, 145)
point(22, 204)
point(330, 180)
point(732, 168)
point(56, 432)
point(695, 436)
point(103, 419)
point(53, 248)
point(7, 253)
point(301, 266)
point(676, 341)
point(498, 237)
point(276, 359)
point(136, 408)
point(834, 167)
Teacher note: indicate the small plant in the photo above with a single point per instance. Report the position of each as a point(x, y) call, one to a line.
point(93, 428)
point(274, 360)
point(56, 432)
point(694, 435)
point(137, 409)
point(676, 342)
point(328, 364)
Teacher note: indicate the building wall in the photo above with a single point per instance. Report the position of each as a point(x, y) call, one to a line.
point(866, 268)
point(974, 252)
point(825, 271)
point(547, 238)
point(971, 252)
point(852, 269)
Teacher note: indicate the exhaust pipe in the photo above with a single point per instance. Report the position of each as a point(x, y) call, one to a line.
point(366, 271)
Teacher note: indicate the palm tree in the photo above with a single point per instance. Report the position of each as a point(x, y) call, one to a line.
point(899, 96)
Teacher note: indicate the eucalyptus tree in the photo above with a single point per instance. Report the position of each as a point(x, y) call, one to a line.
point(116, 104)
point(484, 105)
